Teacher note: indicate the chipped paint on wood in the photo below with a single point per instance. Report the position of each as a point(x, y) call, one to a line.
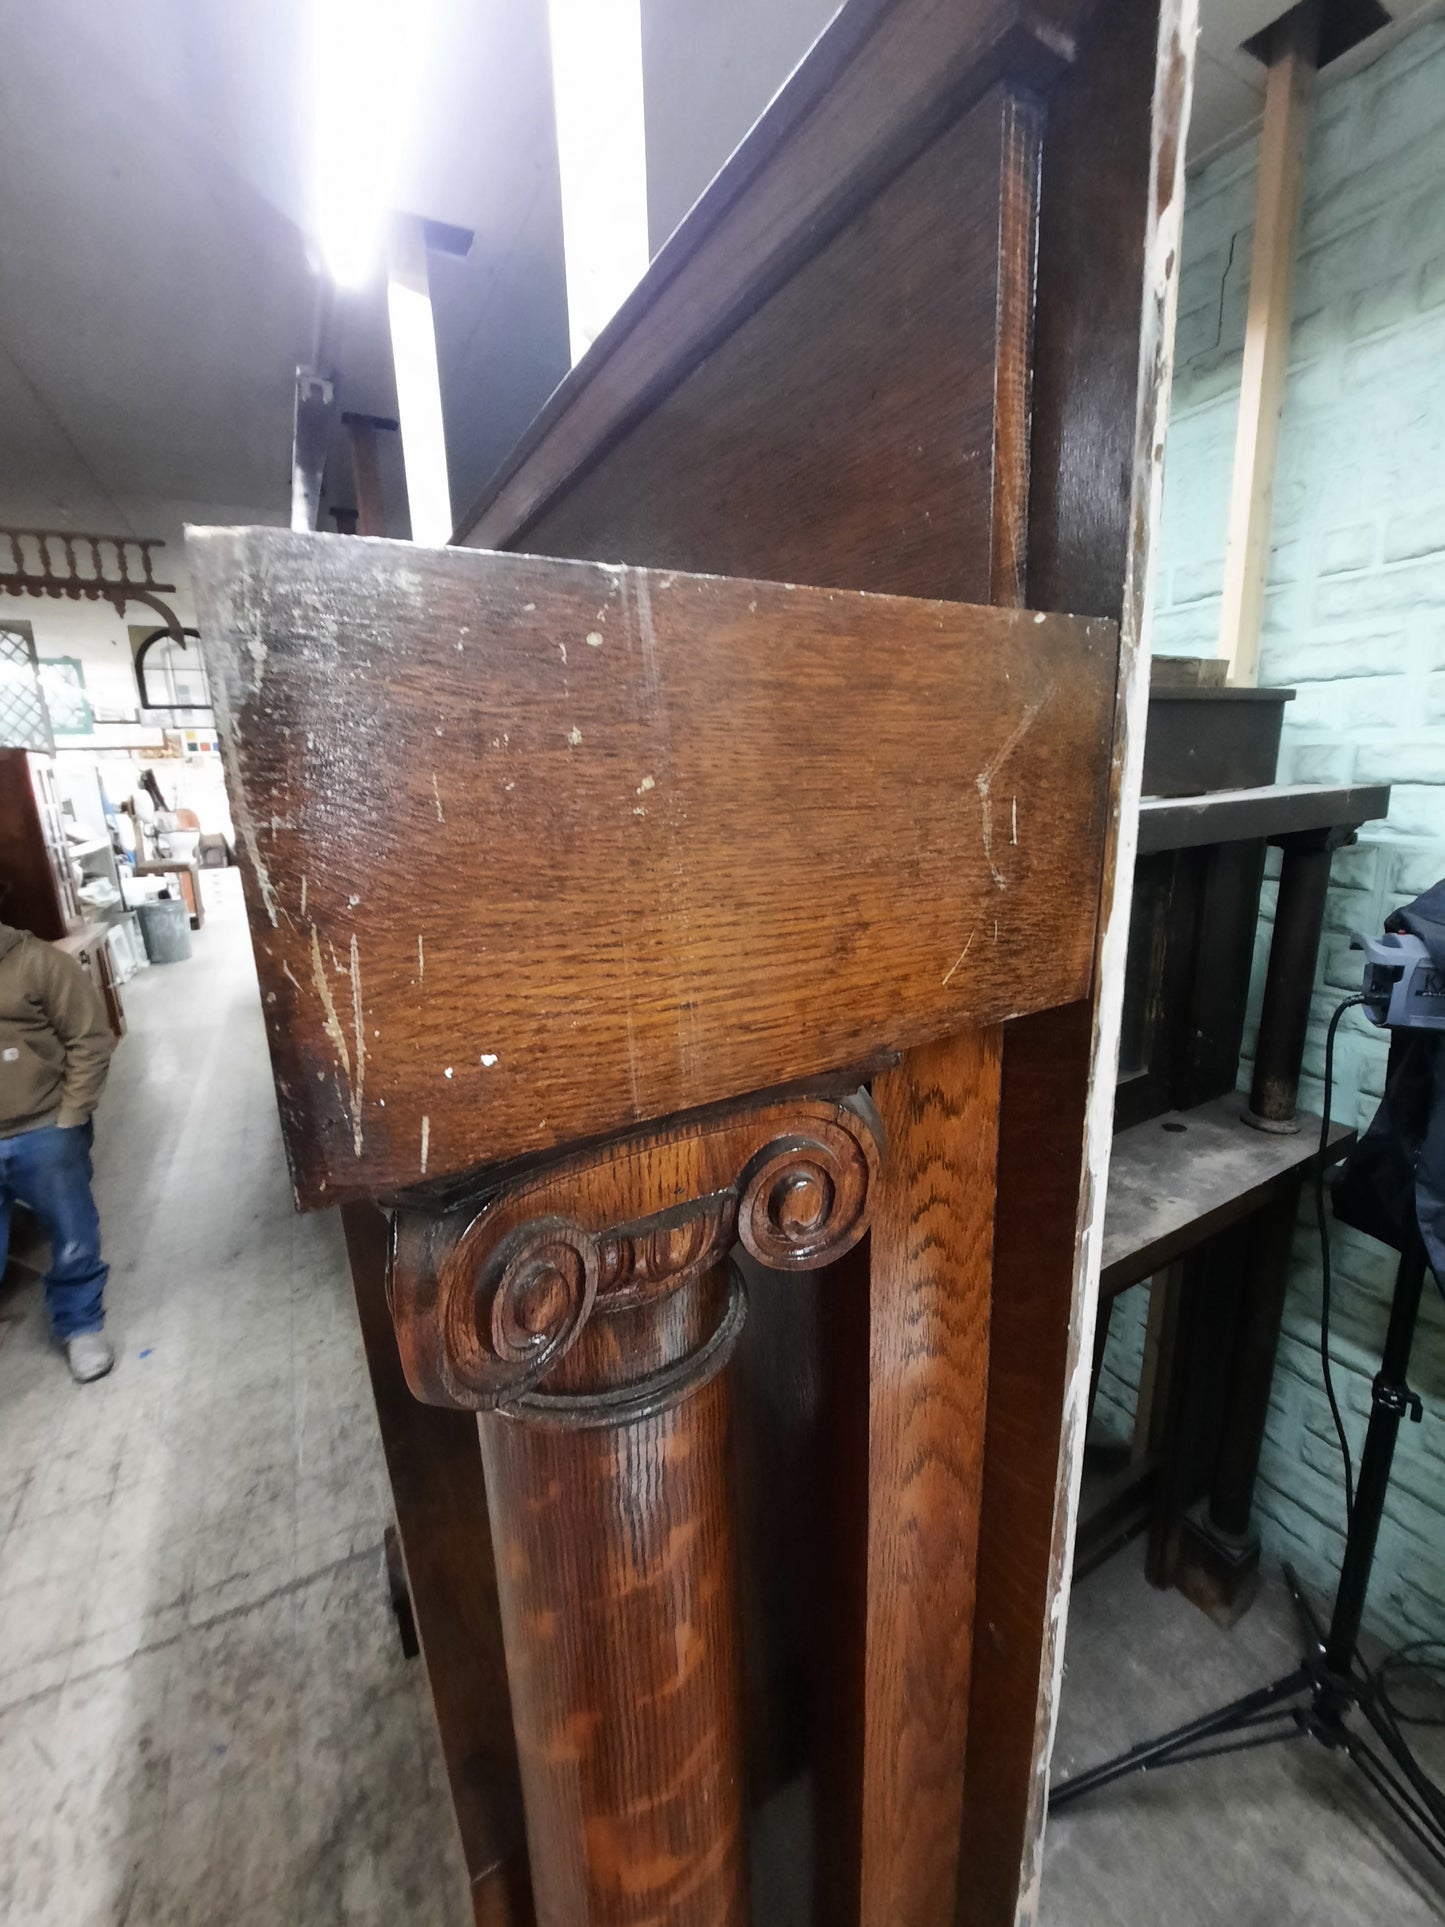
point(357, 1094)
point(1179, 26)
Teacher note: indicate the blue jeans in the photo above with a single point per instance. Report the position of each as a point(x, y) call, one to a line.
point(49, 1170)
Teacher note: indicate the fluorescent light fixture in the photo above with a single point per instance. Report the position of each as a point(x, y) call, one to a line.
point(602, 154)
point(368, 60)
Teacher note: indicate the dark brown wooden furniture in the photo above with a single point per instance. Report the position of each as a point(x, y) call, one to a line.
point(1204, 1186)
point(37, 891)
point(187, 873)
point(726, 1075)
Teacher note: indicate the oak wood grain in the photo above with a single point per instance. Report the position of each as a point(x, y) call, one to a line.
point(1040, 1154)
point(932, 1261)
point(618, 1553)
point(866, 426)
point(613, 907)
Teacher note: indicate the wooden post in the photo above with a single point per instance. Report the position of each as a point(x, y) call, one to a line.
point(617, 1549)
point(1266, 337)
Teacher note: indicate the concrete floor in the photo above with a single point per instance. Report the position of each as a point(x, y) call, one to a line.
point(1286, 1836)
point(204, 1715)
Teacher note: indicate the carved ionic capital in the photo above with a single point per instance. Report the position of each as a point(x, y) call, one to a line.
point(491, 1292)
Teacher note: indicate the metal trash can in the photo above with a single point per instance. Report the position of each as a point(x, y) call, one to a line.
point(165, 928)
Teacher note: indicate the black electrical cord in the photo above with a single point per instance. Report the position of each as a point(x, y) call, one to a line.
point(1322, 1220)
point(1430, 1671)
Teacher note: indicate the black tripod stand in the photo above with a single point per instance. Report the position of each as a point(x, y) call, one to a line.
point(1332, 1682)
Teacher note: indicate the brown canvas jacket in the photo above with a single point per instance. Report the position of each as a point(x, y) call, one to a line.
point(55, 1043)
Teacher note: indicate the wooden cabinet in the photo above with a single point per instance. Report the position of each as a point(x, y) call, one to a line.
point(37, 891)
point(704, 973)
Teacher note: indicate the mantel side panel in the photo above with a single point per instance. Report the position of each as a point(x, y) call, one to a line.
point(869, 427)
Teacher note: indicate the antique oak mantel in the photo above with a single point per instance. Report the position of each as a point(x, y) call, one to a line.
point(694, 986)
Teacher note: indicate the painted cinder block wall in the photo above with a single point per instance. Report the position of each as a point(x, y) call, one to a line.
point(1355, 622)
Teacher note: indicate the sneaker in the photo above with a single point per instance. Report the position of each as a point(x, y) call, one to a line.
point(90, 1356)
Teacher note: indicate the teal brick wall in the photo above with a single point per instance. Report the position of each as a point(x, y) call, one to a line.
point(1355, 622)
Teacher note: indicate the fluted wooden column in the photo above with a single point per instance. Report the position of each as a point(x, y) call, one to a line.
point(588, 1311)
point(613, 1516)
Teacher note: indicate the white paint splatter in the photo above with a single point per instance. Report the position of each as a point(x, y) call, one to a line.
point(425, 1141)
point(351, 902)
point(256, 649)
point(594, 641)
point(489, 1057)
point(985, 777)
point(303, 896)
point(962, 953)
point(574, 736)
point(332, 1023)
point(245, 824)
point(420, 960)
point(647, 783)
point(436, 792)
point(563, 647)
point(1015, 837)
point(447, 1072)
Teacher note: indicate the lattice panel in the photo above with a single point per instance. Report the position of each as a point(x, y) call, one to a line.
point(24, 718)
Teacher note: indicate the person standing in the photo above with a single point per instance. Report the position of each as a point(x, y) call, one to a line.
point(55, 1046)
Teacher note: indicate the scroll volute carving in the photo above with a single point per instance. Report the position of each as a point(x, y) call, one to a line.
point(489, 1295)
